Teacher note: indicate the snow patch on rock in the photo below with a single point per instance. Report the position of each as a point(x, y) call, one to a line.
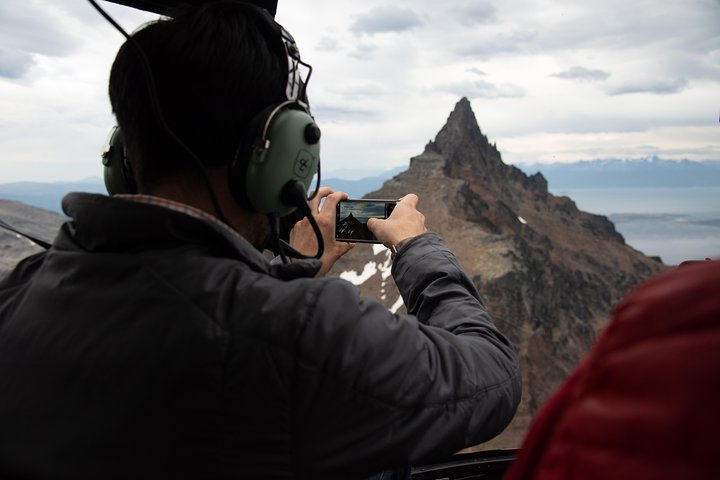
point(353, 277)
point(398, 303)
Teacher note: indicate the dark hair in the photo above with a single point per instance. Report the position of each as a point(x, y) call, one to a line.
point(215, 67)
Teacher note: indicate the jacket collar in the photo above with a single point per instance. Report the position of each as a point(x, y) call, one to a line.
point(111, 224)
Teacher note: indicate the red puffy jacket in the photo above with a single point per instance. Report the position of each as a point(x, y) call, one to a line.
point(645, 403)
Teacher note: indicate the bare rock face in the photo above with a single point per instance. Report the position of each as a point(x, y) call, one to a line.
point(549, 273)
point(42, 224)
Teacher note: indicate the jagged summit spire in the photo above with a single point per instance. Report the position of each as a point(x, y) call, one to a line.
point(461, 128)
point(463, 114)
point(462, 120)
point(461, 141)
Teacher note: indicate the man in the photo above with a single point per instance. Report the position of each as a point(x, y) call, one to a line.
point(154, 340)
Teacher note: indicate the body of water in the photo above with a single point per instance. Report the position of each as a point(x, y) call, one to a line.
point(676, 224)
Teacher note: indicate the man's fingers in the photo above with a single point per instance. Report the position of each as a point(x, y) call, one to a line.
point(321, 193)
point(324, 192)
point(332, 200)
point(372, 223)
point(411, 199)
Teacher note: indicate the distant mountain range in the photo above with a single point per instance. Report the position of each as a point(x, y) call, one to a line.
point(650, 172)
point(358, 188)
point(49, 195)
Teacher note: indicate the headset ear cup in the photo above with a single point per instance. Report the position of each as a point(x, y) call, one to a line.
point(239, 166)
point(116, 172)
point(287, 150)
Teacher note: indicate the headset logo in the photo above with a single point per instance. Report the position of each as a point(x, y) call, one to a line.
point(304, 164)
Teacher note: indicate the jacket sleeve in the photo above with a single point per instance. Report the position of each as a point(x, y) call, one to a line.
point(375, 390)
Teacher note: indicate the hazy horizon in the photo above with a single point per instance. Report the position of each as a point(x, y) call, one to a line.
point(351, 174)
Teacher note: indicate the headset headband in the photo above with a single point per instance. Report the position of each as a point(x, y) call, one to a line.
point(280, 40)
point(296, 84)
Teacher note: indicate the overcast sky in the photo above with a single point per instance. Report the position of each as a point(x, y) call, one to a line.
point(549, 81)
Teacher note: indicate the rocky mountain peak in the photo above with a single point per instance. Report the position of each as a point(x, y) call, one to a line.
point(461, 126)
point(463, 144)
point(549, 272)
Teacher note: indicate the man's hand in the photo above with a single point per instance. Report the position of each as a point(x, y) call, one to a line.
point(404, 222)
point(302, 236)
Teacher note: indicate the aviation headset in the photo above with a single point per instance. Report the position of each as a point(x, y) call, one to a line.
point(280, 149)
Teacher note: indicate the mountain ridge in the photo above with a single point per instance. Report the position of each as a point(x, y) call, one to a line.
point(651, 172)
point(549, 273)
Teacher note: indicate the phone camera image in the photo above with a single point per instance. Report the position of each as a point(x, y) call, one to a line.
point(351, 217)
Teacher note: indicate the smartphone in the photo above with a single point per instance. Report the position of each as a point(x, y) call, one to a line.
point(351, 217)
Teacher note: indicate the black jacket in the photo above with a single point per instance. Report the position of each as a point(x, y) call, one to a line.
point(149, 343)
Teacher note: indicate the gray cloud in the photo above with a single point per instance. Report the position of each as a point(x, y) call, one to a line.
point(501, 43)
point(27, 29)
point(481, 89)
point(475, 14)
point(26, 26)
point(385, 20)
point(583, 74)
point(479, 72)
point(359, 90)
point(14, 64)
point(85, 12)
point(327, 44)
point(656, 87)
point(619, 25)
point(363, 51)
point(82, 11)
point(692, 65)
point(637, 29)
point(327, 112)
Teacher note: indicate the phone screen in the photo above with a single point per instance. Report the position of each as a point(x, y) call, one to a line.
point(351, 217)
